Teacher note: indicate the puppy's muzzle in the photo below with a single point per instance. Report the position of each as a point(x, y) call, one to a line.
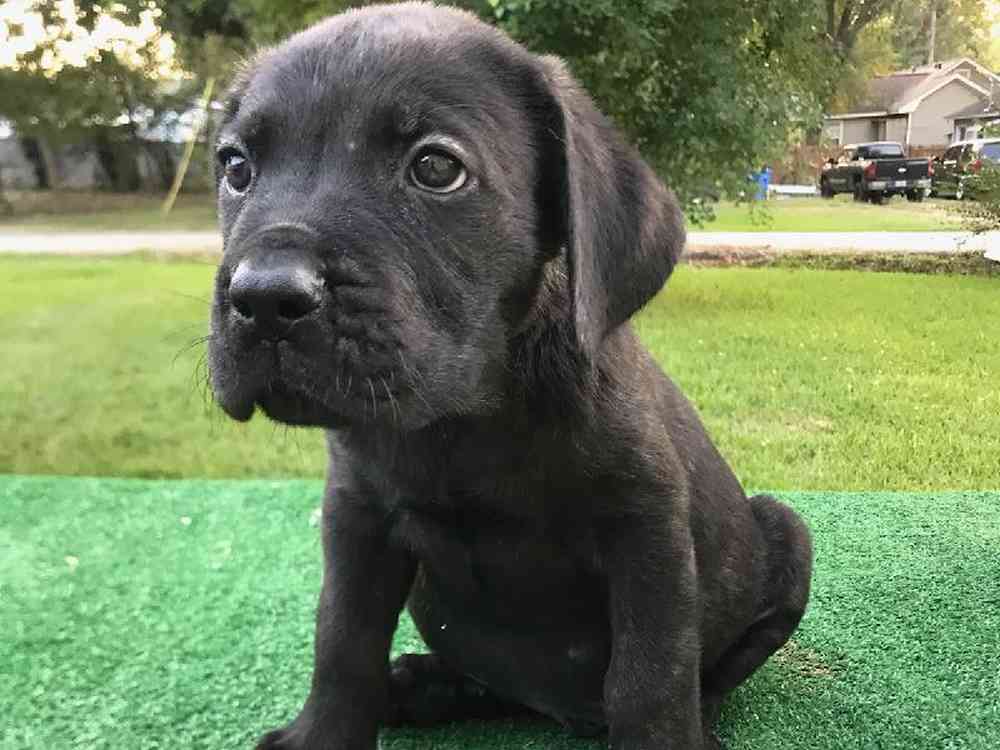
point(273, 290)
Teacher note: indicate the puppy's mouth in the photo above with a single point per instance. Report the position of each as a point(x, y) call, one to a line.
point(283, 403)
point(291, 387)
point(304, 344)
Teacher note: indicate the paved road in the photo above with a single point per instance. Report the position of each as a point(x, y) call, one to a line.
point(109, 243)
point(116, 243)
point(858, 242)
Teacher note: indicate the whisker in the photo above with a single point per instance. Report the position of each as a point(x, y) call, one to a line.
point(189, 346)
point(201, 381)
point(371, 387)
point(186, 295)
point(416, 379)
point(186, 327)
point(392, 402)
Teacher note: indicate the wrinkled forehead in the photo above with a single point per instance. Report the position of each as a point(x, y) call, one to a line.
point(379, 78)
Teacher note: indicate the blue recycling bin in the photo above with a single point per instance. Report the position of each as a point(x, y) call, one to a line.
point(763, 180)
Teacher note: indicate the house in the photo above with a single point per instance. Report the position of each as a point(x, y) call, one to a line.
point(923, 107)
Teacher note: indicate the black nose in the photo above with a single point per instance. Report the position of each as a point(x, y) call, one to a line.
point(274, 294)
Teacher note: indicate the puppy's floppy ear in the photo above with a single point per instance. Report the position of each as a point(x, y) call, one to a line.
point(622, 229)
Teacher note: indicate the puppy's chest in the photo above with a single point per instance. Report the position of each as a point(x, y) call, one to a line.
point(474, 550)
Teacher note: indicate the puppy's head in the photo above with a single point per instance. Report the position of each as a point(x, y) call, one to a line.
point(400, 190)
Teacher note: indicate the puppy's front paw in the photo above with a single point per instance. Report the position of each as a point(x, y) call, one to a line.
point(282, 739)
point(314, 730)
point(293, 737)
point(279, 739)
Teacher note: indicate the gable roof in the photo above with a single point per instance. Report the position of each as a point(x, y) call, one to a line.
point(934, 84)
point(903, 91)
point(976, 111)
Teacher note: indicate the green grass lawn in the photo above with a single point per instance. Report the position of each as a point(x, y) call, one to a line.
point(806, 379)
point(840, 214)
point(69, 211)
point(144, 615)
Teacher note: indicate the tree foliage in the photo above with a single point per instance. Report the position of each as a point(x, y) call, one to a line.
point(212, 35)
point(707, 97)
point(846, 19)
point(103, 98)
point(961, 30)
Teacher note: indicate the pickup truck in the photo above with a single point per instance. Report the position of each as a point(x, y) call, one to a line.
point(875, 171)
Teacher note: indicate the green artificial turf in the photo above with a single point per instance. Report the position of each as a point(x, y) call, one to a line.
point(824, 380)
point(143, 614)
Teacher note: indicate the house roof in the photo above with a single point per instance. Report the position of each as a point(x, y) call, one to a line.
point(887, 92)
point(904, 90)
point(975, 111)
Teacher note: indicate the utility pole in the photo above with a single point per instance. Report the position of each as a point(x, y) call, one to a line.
point(932, 35)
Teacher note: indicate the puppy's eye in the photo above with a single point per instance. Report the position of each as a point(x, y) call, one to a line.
point(236, 169)
point(437, 171)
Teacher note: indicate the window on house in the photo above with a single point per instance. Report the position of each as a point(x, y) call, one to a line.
point(878, 130)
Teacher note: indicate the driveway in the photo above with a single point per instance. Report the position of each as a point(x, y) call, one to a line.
point(117, 243)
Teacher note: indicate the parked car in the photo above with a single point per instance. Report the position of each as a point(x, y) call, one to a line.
point(876, 171)
point(961, 161)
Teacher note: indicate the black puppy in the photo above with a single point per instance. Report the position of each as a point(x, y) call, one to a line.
point(433, 244)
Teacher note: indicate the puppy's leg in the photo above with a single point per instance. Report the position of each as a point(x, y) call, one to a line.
point(424, 690)
point(365, 584)
point(652, 687)
point(789, 571)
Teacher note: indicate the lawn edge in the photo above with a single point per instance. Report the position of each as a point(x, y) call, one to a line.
point(961, 264)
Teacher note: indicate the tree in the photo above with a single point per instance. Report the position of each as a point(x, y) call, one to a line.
point(103, 97)
point(961, 29)
point(213, 34)
point(846, 19)
point(707, 97)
